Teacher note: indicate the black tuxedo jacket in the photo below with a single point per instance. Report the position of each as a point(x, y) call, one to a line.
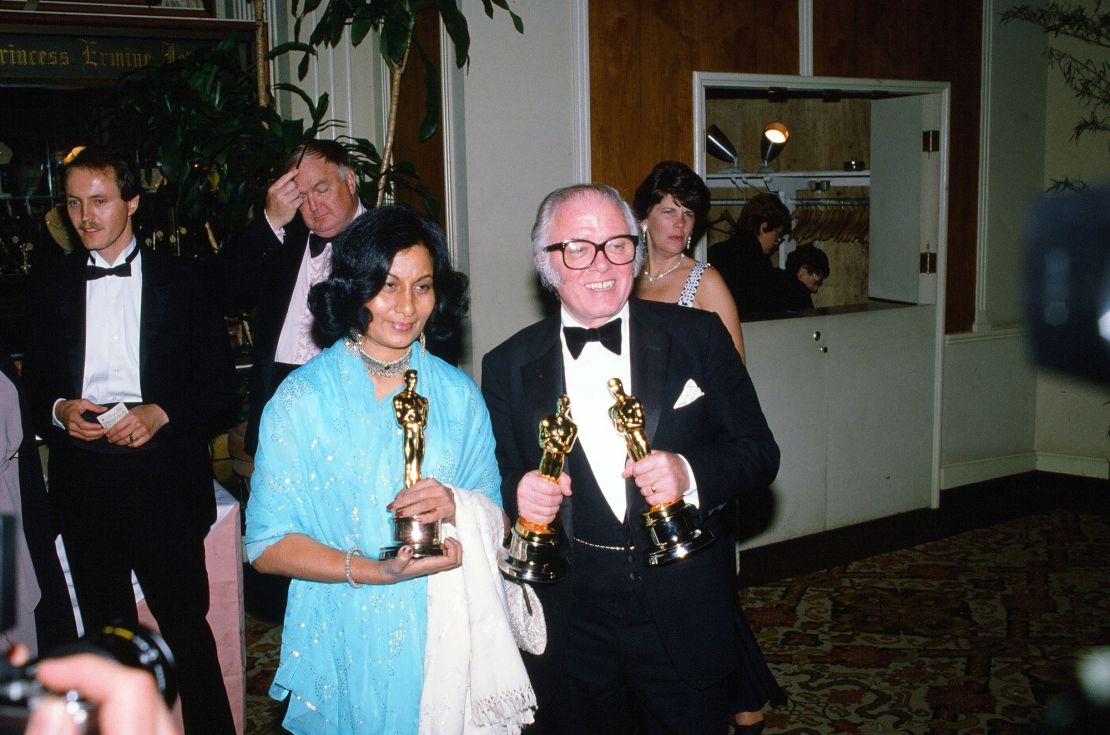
point(257, 270)
point(184, 361)
point(722, 434)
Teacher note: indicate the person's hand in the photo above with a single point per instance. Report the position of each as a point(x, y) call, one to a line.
point(70, 414)
point(661, 477)
point(283, 199)
point(138, 426)
point(403, 566)
point(128, 701)
point(427, 501)
point(538, 498)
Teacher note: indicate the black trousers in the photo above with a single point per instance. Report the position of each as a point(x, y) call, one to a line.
point(143, 511)
point(618, 678)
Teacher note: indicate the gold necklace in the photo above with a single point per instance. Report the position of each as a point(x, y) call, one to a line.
point(655, 279)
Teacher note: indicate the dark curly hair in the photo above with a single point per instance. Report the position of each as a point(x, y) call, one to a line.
point(360, 261)
point(680, 181)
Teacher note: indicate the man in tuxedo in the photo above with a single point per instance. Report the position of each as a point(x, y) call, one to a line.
point(131, 486)
point(629, 645)
point(272, 265)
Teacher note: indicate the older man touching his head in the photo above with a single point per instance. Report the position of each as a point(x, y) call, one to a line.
point(629, 644)
point(274, 263)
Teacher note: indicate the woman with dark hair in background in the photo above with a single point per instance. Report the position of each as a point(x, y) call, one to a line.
point(672, 204)
point(744, 260)
point(331, 460)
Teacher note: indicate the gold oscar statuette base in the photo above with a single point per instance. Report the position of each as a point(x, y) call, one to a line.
point(424, 538)
point(532, 554)
point(674, 532)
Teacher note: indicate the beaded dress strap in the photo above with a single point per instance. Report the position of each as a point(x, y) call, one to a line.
point(692, 282)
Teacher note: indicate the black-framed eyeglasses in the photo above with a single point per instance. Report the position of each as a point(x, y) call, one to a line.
point(578, 255)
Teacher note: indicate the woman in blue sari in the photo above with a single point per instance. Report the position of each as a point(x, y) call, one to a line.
point(330, 468)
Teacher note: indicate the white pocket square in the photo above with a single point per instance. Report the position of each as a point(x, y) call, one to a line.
point(690, 393)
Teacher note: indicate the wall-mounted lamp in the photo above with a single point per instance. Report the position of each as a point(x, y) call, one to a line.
point(720, 147)
point(771, 143)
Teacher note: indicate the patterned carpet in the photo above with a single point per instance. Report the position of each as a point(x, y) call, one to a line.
point(972, 634)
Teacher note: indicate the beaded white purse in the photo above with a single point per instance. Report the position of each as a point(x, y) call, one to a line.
point(526, 617)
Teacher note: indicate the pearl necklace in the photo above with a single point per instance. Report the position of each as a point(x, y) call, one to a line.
point(655, 279)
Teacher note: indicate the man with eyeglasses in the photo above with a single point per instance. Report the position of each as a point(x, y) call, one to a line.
point(628, 645)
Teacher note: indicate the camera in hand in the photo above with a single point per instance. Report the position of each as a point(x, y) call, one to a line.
point(130, 645)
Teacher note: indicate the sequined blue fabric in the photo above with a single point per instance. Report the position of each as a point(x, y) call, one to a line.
point(329, 460)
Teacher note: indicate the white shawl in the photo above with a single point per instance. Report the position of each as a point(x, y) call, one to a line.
point(474, 679)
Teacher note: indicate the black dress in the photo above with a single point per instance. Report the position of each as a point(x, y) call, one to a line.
point(753, 685)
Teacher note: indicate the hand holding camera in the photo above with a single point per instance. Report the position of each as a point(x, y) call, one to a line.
point(118, 681)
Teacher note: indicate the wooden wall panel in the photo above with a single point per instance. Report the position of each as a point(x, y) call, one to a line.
point(426, 156)
point(936, 41)
point(643, 54)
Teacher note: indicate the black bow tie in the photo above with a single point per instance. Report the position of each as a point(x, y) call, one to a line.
point(316, 244)
point(123, 270)
point(609, 335)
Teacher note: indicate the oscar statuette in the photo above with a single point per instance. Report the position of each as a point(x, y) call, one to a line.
point(671, 526)
point(411, 410)
point(533, 551)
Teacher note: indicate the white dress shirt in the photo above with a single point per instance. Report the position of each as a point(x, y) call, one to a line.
point(295, 345)
point(113, 316)
point(587, 382)
point(587, 379)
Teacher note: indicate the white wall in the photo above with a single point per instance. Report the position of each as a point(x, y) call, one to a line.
point(988, 407)
point(1072, 416)
point(1001, 415)
point(989, 393)
point(518, 114)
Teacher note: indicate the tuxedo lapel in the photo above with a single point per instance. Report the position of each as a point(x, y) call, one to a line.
point(650, 355)
point(154, 298)
point(71, 321)
point(543, 381)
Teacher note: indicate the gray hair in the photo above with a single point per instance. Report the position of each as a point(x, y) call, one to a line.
point(545, 215)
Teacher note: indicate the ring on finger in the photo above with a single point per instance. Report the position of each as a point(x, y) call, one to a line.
point(130, 438)
point(653, 488)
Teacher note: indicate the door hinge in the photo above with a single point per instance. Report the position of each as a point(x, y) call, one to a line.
point(930, 141)
point(928, 263)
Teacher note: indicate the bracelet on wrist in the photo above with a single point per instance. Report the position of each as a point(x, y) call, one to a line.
point(353, 551)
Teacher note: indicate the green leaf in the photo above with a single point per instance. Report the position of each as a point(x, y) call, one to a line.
point(430, 123)
point(396, 33)
point(359, 28)
point(455, 24)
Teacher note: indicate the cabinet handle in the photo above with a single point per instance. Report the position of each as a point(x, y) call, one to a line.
point(816, 336)
point(823, 348)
